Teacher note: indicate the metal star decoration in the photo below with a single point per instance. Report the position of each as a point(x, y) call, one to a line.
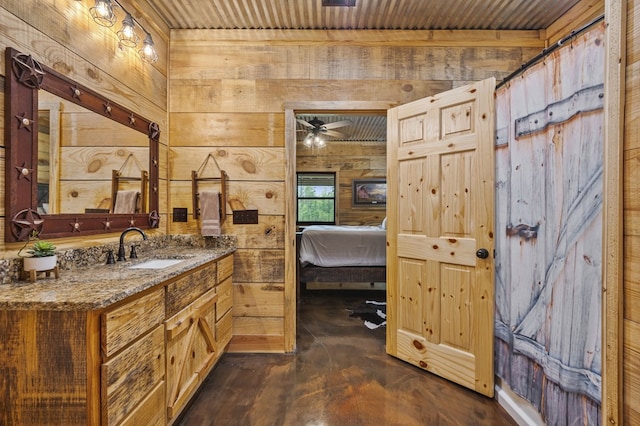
point(27, 222)
point(132, 222)
point(75, 225)
point(28, 71)
point(106, 224)
point(23, 121)
point(154, 219)
point(75, 91)
point(107, 108)
point(132, 119)
point(24, 172)
point(154, 131)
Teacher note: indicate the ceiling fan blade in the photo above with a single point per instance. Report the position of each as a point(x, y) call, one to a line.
point(304, 123)
point(334, 134)
point(337, 124)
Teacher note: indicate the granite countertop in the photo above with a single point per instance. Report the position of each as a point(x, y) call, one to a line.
point(96, 286)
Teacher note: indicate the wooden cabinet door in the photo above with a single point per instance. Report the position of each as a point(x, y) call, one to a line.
point(191, 350)
point(440, 292)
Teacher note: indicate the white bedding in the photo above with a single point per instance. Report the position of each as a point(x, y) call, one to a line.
point(332, 245)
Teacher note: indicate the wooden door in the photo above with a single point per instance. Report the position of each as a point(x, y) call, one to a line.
point(440, 288)
point(191, 350)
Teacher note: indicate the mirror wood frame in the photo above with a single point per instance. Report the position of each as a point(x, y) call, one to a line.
point(24, 78)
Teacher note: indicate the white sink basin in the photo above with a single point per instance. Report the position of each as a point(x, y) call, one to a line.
point(156, 264)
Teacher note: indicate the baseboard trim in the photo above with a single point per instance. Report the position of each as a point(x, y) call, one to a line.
point(520, 410)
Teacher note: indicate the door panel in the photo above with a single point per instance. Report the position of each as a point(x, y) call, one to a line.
point(440, 212)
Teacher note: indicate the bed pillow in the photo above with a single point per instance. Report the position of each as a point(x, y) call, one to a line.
point(383, 225)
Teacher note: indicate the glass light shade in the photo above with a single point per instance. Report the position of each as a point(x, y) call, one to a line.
point(314, 139)
point(308, 140)
point(103, 13)
point(148, 52)
point(127, 33)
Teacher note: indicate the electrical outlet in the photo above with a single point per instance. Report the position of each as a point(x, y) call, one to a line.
point(245, 217)
point(179, 214)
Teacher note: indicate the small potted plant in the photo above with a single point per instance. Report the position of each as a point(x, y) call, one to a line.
point(42, 254)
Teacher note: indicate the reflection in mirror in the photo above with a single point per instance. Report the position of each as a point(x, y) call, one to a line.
point(47, 139)
point(86, 148)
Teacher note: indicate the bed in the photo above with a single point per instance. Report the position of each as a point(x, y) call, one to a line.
point(332, 253)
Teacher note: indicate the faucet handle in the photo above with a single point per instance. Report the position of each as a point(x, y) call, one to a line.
point(133, 254)
point(110, 259)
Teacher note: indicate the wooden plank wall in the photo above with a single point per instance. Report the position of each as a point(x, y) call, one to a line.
point(62, 34)
point(226, 94)
point(631, 200)
point(350, 160)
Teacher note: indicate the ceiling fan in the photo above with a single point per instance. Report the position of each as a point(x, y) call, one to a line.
point(316, 128)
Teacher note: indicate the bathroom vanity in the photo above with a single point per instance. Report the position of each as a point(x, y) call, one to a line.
point(114, 344)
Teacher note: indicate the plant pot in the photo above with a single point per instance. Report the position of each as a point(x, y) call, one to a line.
point(39, 263)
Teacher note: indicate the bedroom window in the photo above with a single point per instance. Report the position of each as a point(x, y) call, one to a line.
point(316, 198)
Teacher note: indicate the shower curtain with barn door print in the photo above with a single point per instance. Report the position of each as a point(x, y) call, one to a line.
point(549, 166)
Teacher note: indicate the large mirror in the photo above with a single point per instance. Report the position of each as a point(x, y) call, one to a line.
point(77, 163)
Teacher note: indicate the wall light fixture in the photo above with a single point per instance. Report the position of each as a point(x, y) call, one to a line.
point(127, 34)
point(103, 13)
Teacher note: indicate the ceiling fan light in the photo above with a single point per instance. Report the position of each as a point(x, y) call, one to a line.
point(127, 33)
point(308, 140)
point(319, 142)
point(102, 13)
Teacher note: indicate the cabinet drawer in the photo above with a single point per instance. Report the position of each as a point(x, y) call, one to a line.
point(225, 297)
point(182, 292)
point(124, 324)
point(131, 376)
point(225, 267)
point(150, 411)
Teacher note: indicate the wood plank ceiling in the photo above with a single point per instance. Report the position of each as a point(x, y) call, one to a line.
point(365, 15)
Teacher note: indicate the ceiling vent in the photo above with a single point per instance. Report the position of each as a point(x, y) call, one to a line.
point(341, 3)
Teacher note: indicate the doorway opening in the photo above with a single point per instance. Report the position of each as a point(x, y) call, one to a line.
point(327, 112)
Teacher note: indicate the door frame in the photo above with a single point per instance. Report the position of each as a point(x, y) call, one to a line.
point(290, 111)
point(612, 337)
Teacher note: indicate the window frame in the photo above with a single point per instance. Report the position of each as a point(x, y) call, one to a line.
point(334, 198)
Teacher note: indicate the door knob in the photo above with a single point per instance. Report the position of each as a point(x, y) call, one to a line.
point(482, 253)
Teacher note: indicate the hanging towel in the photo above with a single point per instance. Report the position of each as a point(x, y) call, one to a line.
point(210, 213)
point(126, 201)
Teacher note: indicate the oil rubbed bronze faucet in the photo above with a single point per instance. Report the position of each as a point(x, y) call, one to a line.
point(121, 251)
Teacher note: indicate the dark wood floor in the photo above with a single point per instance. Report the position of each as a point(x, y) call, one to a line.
point(340, 375)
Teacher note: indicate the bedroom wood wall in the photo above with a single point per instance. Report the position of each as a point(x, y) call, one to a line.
point(350, 160)
point(63, 35)
point(631, 291)
point(227, 89)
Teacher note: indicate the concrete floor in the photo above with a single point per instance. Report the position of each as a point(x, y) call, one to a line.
point(340, 375)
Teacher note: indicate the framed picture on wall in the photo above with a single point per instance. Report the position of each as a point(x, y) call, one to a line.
point(369, 192)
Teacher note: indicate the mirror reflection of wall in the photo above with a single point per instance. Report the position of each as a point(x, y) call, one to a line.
point(77, 152)
point(45, 130)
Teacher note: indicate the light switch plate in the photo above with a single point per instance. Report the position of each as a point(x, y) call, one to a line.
point(245, 217)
